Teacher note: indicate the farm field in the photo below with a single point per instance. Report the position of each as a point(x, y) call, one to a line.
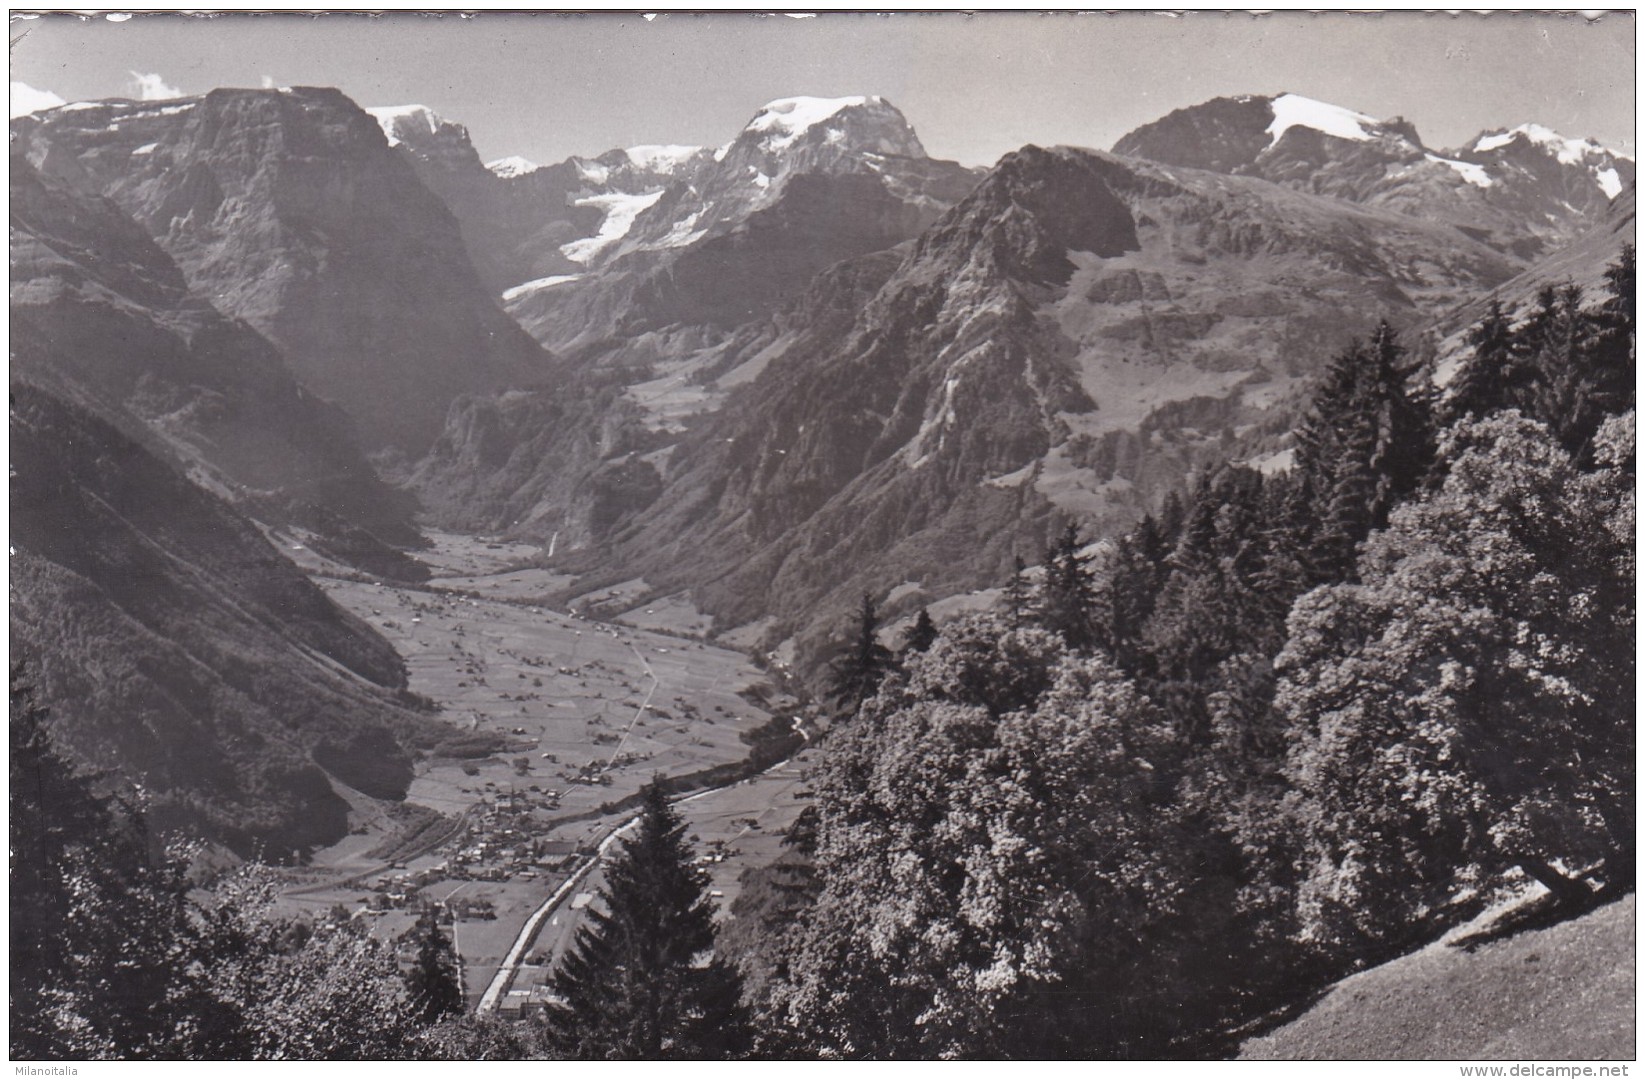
point(586, 712)
point(669, 614)
point(574, 699)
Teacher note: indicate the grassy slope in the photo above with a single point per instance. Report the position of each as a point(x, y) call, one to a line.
point(1560, 993)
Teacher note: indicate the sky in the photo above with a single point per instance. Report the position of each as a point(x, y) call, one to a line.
point(974, 87)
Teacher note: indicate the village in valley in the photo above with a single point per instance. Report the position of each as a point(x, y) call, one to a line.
point(562, 717)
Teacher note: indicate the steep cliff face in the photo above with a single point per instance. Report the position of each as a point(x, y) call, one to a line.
point(288, 209)
point(1066, 343)
point(696, 251)
point(176, 648)
point(96, 305)
point(1524, 190)
point(739, 232)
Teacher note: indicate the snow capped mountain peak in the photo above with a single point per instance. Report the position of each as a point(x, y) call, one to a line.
point(1607, 169)
point(661, 158)
point(510, 167)
point(844, 125)
point(1294, 110)
point(786, 119)
point(1567, 150)
point(401, 121)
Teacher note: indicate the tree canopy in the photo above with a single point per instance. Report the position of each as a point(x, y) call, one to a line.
point(642, 980)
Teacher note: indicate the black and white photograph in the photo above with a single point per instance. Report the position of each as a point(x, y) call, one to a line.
point(797, 536)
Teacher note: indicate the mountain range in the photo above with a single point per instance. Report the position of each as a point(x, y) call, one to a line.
point(770, 376)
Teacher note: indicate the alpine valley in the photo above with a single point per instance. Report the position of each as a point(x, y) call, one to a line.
point(766, 377)
point(327, 432)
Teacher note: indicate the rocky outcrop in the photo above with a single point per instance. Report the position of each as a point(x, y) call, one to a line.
point(1067, 343)
point(696, 252)
point(288, 209)
point(738, 233)
point(97, 306)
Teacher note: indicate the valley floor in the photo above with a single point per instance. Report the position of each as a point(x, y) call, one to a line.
point(589, 712)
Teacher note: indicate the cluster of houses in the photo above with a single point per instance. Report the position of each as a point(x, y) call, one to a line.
point(499, 844)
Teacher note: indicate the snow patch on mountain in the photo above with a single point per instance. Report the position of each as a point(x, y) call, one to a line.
point(1609, 182)
point(1294, 110)
point(1474, 174)
point(684, 232)
point(620, 211)
point(783, 121)
point(540, 283)
point(661, 158)
point(25, 99)
point(391, 117)
point(592, 172)
point(510, 167)
point(1568, 151)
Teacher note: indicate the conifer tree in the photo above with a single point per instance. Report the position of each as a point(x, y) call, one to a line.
point(1067, 594)
point(1486, 379)
point(641, 981)
point(1126, 587)
point(96, 926)
point(1565, 367)
point(1017, 605)
point(1365, 444)
point(1170, 519)
point(920, 635)
point(857, 673)
point(432, 984)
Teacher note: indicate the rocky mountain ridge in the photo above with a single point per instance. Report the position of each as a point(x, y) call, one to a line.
point(808, 182)
point(1067, 343)
point(522, 222)
point(1525, 190)
point(97, 307)
point(288, 209)
point(814, 362)
point(856, 436)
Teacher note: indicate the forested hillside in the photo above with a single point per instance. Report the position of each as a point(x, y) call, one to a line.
point(1296, 724)
point(768, 583)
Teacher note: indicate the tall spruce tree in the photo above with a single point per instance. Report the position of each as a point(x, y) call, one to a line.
point(1491, 376)
point(1018, 606)
point(433, 985)
point(1566, 367)
point(863, 662)
point(641, 981)
point(1068, 591)
point(1365, 444)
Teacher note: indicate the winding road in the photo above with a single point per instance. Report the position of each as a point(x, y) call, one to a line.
point(510, 966)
